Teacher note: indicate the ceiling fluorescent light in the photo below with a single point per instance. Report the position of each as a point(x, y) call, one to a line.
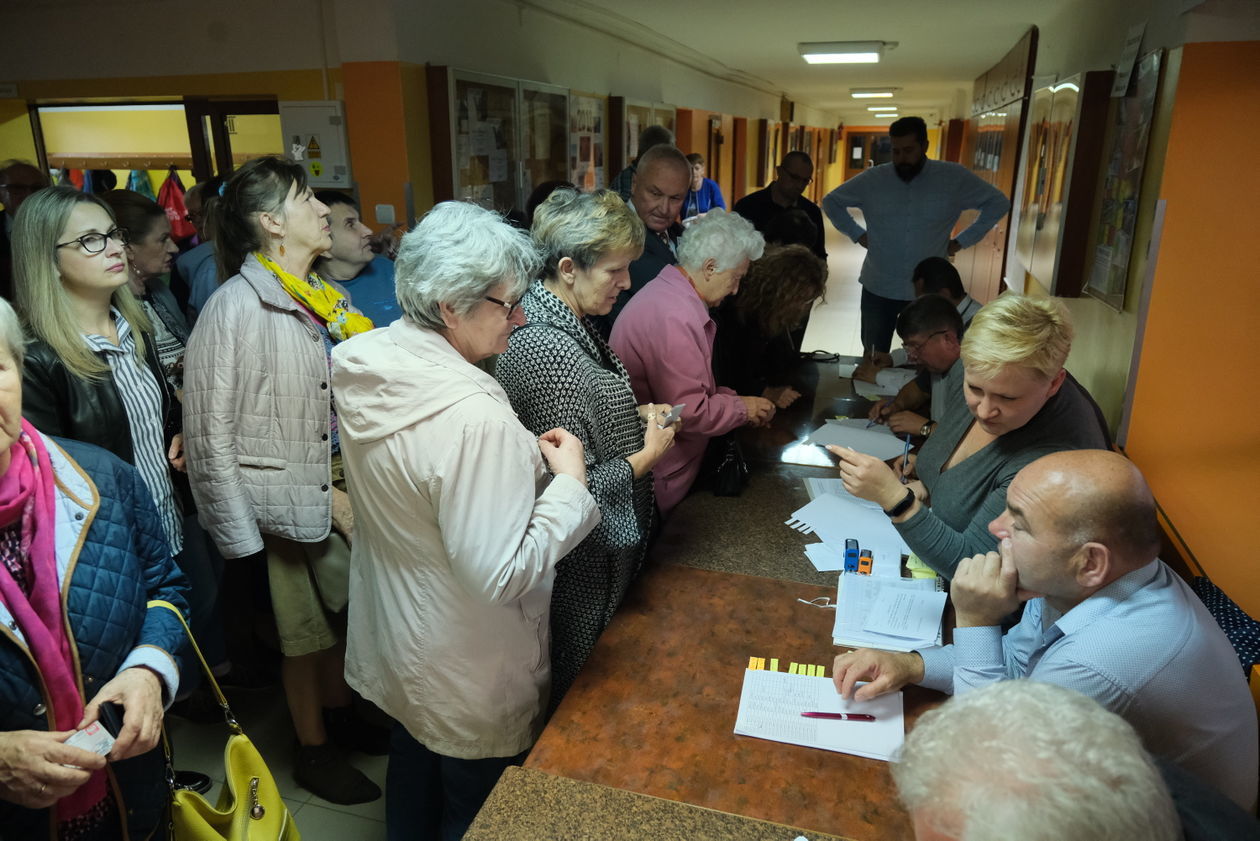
point(883, 114)
point(842, 52)
point(872, 93)
point(881, 108)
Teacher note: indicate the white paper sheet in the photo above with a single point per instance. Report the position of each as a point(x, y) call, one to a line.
point(856, 596)
point(817, 487)
point(836, 519)
point(771, 704)
point(887, 383)
point(878, 441)
point(824, 558)
point(912, 614)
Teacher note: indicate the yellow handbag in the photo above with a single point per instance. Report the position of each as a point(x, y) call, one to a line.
point(249, 806)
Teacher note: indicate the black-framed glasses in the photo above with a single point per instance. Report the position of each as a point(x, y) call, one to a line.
point(915, 347)
point(94, 243)
point(509, 308)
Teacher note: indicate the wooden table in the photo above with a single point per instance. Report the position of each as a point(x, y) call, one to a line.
point(531, 804)
point(653, 711)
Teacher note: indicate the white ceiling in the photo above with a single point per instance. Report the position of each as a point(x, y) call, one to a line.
point(942, 46)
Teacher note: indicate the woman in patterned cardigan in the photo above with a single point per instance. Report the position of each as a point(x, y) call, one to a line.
point(558, 371)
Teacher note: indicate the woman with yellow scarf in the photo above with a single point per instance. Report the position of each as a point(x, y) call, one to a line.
point(263, 450)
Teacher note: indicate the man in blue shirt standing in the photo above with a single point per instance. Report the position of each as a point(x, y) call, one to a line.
point(1104, 617)
point(350, 261)
point(910, 207)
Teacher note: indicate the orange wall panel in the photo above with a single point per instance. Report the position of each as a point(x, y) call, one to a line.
point(1193, 430)
point(376, 127)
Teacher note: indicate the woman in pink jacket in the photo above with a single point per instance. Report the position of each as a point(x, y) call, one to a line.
point(664, 337)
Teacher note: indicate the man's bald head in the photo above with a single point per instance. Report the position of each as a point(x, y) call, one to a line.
point(1101, 497)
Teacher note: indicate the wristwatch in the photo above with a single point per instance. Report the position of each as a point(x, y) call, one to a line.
point(927, 428)
point(901, 507)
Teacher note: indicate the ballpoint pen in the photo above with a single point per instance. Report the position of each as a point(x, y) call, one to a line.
point(905, 457)
point(840, 716)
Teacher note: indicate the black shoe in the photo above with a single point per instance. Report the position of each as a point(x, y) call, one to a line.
point(200, 707)
point(193, 781)
point(350, 731)
point(324, 771)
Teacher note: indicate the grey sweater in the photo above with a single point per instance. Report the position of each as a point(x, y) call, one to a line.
point(965, 498)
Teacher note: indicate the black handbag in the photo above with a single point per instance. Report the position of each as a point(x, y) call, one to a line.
point(731, 472)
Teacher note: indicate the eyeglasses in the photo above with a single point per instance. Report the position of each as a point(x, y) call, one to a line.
point(915, 347)
point(95, 243)
point(509, 309)
point(805, 180)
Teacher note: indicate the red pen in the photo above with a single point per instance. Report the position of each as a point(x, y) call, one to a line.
point(840, 716)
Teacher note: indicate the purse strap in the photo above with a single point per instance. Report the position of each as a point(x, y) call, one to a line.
point(205, 667)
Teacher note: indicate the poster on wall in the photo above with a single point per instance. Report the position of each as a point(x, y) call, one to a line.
point(586, 141)
point(1122, 185)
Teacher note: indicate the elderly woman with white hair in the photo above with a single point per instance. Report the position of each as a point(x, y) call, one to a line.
point(664, 337)
point(459, 523)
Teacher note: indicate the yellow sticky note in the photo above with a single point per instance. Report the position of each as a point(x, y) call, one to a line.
point(752, 662)
point(793, 669)
point(822, 671)
point(813, 671)
point(761, 663)
point(774, 664)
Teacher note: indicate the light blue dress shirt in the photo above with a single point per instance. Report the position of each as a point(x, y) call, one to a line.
point(1145, 648)
point(907, 222)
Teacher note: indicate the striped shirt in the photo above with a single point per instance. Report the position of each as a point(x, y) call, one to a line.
point(142, 399)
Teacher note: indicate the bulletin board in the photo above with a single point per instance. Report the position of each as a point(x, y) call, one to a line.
point(587, 118)
point(1122, 185)
point(485, 148)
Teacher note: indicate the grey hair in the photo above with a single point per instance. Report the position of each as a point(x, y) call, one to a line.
point(728, 238)
point(12, 336)
point(1028, 760)
point(456, 255)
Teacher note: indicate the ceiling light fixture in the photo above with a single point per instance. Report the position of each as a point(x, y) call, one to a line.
point(881, 108)
point(872, 93)
point(884, 114)
point(843, 52)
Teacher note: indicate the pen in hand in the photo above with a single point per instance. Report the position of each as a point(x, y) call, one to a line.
point(905, 458)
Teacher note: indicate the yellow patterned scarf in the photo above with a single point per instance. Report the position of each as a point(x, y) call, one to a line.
point(321, 299)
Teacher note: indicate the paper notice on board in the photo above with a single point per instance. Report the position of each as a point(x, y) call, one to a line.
point(462, 148)
point(482, 136)
point(1128, 57)
point(498, 166)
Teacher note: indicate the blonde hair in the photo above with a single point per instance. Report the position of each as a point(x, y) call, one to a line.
point(41, 296)
point(584, 227)
point(1018, 330)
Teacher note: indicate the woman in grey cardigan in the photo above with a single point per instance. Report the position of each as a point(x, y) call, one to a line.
point(559, 372)
point(1009, 402)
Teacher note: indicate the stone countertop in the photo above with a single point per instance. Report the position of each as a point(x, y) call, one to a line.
point(530, 804)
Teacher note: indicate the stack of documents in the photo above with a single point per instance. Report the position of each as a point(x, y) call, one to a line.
point(900, 614)
point(877, 440)
point(771, 704)
point(887, 382)
point(837, 517)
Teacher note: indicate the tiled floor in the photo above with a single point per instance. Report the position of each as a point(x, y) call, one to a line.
point(265, 718)
point(833, 326)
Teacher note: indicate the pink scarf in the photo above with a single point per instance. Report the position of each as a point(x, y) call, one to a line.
point(26, 494)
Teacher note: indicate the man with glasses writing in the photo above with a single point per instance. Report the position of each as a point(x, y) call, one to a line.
point(18, 180)
point(931, 332)
point(795, 173)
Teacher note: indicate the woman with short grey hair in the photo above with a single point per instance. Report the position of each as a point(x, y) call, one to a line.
point(558, 371)
point(664, 337)
point(459, 526)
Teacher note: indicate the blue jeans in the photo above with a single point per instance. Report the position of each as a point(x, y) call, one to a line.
point(430, 797)
point(879, 320)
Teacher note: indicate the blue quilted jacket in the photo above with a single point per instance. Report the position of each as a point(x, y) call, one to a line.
point(112, 558)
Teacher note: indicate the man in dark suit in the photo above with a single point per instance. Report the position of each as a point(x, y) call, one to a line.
point(661, 182)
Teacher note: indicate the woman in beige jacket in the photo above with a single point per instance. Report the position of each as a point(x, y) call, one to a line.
point(263, 449)
point(459, 524)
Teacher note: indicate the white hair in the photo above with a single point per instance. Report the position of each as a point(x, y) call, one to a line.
point(456, 255)
point(1028, 760)
point(12, 336)
point(728, 238)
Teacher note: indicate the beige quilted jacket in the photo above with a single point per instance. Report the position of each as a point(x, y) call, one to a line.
point(256, 416)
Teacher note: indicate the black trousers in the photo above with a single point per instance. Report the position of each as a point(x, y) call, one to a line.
point(879, 320)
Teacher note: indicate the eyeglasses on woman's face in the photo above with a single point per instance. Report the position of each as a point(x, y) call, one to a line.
point(94, 243)
point(509, 308)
